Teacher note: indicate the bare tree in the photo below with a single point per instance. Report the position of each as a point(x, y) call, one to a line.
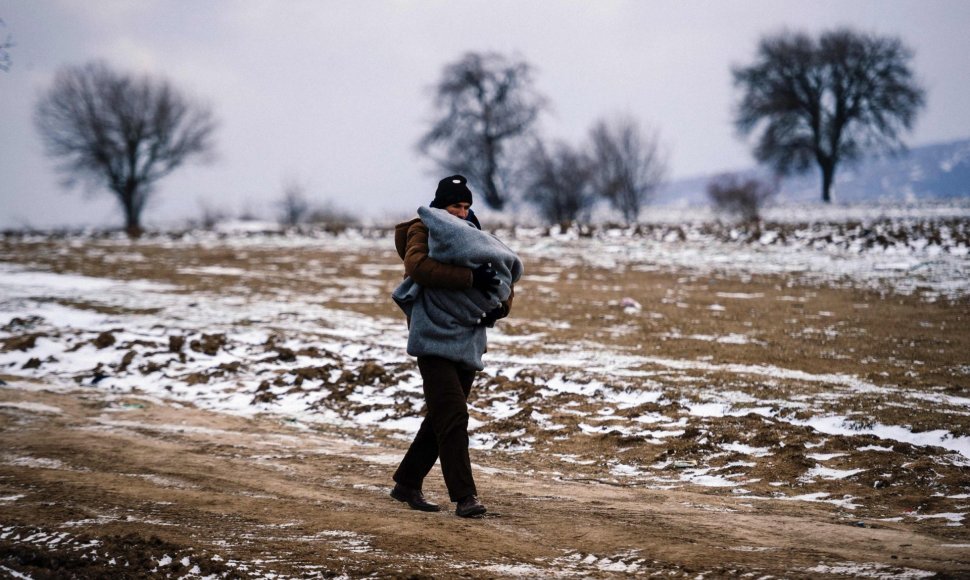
point(739, 196)
point(628, 164)
point(5, 45)
point(120, 132)
point(485, 104)
point(294, 205)
point(559, 183)
point(826, 101)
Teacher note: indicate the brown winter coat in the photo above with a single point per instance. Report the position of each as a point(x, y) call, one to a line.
point(411, 241)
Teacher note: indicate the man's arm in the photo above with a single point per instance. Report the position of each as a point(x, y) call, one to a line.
point(427, 271)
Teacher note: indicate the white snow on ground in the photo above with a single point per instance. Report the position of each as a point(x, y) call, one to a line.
point(818, 472)
point(32, 407)
point(818, 252)
point(19, 280)
point(35, 462)
point(873, 570)
point(838, 425)
point(381, 340)
point(14, 573)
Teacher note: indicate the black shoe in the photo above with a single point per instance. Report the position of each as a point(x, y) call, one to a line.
point(414, 498)
point(469, 507)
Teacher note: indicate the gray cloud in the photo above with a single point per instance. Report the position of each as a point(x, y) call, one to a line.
point(335, 93)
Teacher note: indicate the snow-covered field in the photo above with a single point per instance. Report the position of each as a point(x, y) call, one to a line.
point(748, 361)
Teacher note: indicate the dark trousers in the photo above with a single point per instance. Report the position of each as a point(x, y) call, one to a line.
point(444, 431)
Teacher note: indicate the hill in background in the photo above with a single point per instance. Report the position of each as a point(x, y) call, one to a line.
point(930, 172)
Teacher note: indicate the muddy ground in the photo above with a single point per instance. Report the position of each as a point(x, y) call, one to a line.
point(101, 481)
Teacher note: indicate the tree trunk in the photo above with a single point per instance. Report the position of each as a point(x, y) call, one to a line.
point(132, 213)
point(492, 196)
point(828, 176)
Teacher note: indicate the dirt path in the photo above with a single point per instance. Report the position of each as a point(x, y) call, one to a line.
point(108, 486)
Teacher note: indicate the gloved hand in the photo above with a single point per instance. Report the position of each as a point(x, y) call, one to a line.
point(485, 280)
point(491, 317)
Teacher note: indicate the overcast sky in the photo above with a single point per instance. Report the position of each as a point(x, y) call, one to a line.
point(335, 94)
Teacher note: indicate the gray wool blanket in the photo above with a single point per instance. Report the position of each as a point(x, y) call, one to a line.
point(444, 322)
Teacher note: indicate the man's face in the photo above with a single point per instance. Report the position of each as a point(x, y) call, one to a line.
point(459, 209)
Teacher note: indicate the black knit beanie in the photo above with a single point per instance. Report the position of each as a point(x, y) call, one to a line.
point(451, 190)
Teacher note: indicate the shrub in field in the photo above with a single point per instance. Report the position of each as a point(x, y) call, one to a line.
point(210, 214)
point(629, 164)
point(559, 183)
point(739, 196)
point(331, 218)
point(293, 205)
